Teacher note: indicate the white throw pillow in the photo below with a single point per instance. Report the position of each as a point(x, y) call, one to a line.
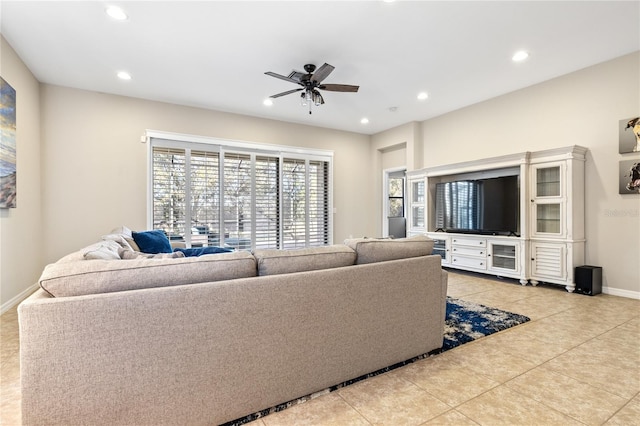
point(104, 250)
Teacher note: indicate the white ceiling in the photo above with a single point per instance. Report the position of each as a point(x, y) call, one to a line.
point(213, 54)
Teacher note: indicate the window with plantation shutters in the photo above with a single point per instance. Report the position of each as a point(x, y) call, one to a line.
point(239, 195)
point(267, 202)
point(294, 203)
point(318, 203)
point(204, 198)
point(169, 180)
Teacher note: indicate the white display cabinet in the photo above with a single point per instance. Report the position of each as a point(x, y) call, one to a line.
point(557, 234)
point(549, 242)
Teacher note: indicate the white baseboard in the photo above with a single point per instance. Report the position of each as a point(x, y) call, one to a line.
point(622, 293)
point(19, 298)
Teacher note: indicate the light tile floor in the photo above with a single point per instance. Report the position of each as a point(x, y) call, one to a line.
point(577, 362)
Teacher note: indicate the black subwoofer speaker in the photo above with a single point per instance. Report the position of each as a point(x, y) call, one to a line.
point(588, 280)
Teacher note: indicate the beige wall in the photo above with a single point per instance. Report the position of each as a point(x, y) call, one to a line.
point(87, 172)
point(95, 167)
point(582, 108)
point(21, 228)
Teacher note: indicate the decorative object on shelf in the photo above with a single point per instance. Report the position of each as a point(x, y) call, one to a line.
point(629, 135)
point(8, 165)
point(629, 182)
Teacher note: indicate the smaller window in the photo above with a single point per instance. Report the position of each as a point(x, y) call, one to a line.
point(396, 197)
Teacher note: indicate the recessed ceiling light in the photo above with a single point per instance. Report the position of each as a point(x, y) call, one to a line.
point(123, 75)
point(422, 96)
point(520, 56)
point(267, 102)
point(365, 120)
point(116, 13)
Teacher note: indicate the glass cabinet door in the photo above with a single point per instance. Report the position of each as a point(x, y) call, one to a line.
point(418, 217)
point(417, 204)
point(503, 256)
point(548, 182)
point(548, 218)
point(548, 199)
point(418, 191)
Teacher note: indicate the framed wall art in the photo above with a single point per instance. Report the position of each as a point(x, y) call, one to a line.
point(629, 135)
point(8, 165)
point(629, 177)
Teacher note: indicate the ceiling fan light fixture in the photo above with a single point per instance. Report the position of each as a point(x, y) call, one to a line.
point(267, 102)
point(317, 98)
point(364, 120)
point(422, 96)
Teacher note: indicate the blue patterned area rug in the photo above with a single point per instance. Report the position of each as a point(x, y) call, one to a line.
point(464, 322)
point(467, 321)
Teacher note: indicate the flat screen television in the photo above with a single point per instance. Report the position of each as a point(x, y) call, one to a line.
point(488, 206)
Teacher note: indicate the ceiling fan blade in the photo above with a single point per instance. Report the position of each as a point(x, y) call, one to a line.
point(339, 87)
point(322, 73)
point(282, 77)
point(288, 92)
point(296, 75)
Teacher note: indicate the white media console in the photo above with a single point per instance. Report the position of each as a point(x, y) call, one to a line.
point(550, 241)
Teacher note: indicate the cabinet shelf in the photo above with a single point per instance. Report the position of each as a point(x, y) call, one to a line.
point(504, 262)
point(503, 256)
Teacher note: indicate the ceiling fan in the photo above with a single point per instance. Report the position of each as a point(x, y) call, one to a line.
point(311, 82)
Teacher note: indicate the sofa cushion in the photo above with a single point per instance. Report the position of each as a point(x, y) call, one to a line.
point(105, 276)
point(369, 250)
point(153, 242)
point(274, 261)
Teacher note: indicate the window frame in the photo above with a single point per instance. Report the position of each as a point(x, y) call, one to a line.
point(161, 139)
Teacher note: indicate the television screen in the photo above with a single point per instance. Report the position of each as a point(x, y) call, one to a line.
point(481, 206)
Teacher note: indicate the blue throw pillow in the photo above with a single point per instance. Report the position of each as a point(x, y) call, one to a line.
point(152, 242)
point(199, 251)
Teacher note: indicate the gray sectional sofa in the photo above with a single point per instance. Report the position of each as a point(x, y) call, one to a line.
point(210, 339)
